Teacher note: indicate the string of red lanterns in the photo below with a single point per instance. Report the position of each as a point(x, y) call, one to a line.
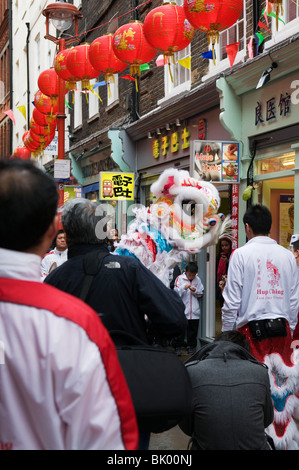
point(166, 29)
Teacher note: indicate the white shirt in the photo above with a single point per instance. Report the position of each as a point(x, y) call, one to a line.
point(262, 282)
point(56, 389)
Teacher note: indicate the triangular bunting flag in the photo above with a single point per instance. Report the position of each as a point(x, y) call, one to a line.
point(161, 60)
point(207, 55)
point(262, 25)
point(10, 114)
point(128, 77)
point(250, 48)
point(232, 50)
point(96, 85)
point(185, 62)
point(144, 67)
point(260, 38)
point(22, 110)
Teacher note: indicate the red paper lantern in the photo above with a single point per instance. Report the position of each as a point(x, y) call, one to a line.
point(44, 105)
point(48, 83)
point(40, 131)
point(43, 119)
point(131, 46)
point(212, 17)
point(103, 58)
point(62, 70)
point(167, 29)
point(29, 143)
point(22, 152)
point(80, 67)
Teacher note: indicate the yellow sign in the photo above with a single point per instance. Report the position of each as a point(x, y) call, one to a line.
point(174, 142)
point(116, 186)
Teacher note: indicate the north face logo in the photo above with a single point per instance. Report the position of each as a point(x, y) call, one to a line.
point(273, 274)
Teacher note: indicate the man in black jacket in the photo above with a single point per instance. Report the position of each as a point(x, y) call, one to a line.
point(232, 403)
point(124, 293)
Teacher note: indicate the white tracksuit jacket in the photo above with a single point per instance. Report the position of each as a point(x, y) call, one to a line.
point(262, 282)
point(54, 256)
point(61, 386)
point(190, 299)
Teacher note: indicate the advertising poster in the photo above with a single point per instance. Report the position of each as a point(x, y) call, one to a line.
point(72, 192)
point(286, 219)
point(116, 186)
point(215, 161)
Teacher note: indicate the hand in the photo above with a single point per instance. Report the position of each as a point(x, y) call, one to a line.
point(187, 286)
point(193, 289)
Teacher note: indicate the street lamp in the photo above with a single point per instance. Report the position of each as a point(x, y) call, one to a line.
point(62, 15)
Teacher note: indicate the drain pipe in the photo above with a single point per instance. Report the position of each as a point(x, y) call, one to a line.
point(28, 75)
point(10, 73)
point(135, 111)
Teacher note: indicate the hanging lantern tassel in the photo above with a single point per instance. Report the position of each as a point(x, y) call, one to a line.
point(135, 72)
point(109, 78)
point(213, 37)
point(278, 7)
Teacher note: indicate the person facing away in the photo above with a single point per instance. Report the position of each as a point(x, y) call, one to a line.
point(123, 291)
point(61, 385)
point(262, 285)
point(56, 256)
point(189, 287)
point(232, 404)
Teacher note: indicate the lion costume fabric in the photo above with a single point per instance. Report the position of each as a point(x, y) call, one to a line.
point(183, 220)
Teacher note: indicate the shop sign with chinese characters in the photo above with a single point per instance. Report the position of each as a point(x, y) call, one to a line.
point(171, 143)
point(215, 161)
point(272, 109)
point(235, 215)
point(116, 186)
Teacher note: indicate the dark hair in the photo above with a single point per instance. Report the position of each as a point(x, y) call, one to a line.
point(28, 204)
point(259, 218)
point(192, 267)
point(53, 244)
point(234, 336)
point(295, 245)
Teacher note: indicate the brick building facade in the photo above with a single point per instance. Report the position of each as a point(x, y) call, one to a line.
point(5, 122)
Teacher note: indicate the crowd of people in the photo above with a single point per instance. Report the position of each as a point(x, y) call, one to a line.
point(62, 386)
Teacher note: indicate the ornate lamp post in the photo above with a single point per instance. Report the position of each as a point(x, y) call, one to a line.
point(62, 16)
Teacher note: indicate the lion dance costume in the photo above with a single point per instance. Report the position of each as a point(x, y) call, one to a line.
point(183, 220)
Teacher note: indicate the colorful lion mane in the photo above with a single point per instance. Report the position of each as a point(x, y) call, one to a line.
point(183, 219)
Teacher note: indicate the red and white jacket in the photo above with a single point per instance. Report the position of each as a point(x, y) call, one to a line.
point(190, 299)
point(54, 256)
point(61, 385)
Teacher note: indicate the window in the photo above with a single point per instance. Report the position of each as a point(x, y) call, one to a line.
point(113, 95)
point(93, 102)
point(78, 106)
point(37, 55)
point(178, 78)
point(236, 33)
point(289, 24)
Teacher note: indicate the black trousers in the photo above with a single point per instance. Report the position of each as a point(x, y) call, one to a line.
point(190, 335)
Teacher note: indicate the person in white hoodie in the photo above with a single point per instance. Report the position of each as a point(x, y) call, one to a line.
point(61, 385)
point(261, 299)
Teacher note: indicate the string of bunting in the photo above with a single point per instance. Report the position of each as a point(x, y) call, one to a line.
point(257, 38)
